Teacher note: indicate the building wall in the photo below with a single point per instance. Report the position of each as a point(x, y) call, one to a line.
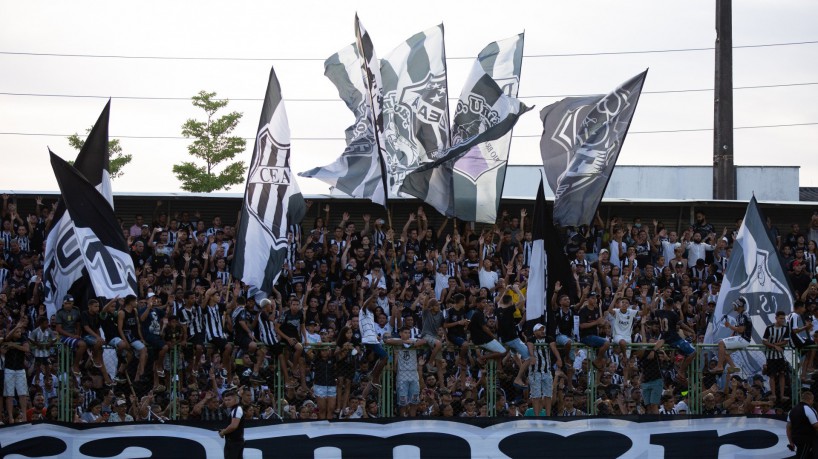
point(671, 183)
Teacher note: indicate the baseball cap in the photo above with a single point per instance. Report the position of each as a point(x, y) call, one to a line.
point(741, 302)
point(603, 251)
point(145, 226)
point(679, 263)
point(120, 402)
point(150, 295)
point(593, 294)
point(68, 298)
point(538, 327)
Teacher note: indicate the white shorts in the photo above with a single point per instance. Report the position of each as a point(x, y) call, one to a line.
point(735, 342)
point(616, 339)
point(15, 380)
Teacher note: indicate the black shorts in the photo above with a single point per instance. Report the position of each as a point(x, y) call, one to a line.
point(276, 349)
point(799, 343)
point(776, 367)
point(243, 342)
point(197, 339)
point(219, 344)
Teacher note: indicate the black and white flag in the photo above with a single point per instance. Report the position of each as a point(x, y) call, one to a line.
point(755, 273)
point(484, 113)
point(63, 260)
point(480, 174)
point(581, 141)
point(272, 199)
point(357, 172)
point(96, 233)
point(415, 104)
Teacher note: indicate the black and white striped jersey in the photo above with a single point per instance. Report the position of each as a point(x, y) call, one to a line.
point(193, 319)
point(774, 334)
point(213, 323)
point(541, 359)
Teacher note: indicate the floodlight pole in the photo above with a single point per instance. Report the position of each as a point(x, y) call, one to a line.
point(724, 171)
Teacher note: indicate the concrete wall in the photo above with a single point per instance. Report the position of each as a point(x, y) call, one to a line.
point(671, 183)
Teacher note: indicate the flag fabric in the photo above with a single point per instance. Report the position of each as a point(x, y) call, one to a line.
point(63, 271)
point(96, 233)
point(581, 141)
point(485, 114)
point(415, 104)
point(272, 199)
point(754, 272)
point(370, 69)
point(536, 295)
point(357, 172)
point(480, 174)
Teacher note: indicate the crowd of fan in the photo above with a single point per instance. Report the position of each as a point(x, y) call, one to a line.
point(437, 304)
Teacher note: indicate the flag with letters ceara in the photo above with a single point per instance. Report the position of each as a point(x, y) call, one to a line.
point(272, 199)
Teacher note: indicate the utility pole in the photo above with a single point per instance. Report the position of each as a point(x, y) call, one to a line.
point(724, 171)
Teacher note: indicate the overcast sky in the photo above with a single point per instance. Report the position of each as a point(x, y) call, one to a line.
point(314, 30)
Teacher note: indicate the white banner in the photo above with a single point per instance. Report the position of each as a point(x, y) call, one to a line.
point(722, 437)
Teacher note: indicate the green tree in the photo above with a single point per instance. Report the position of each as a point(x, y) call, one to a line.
point(212, 144)
point(116, 159)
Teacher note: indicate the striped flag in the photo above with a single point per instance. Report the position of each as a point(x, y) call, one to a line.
point(549, 263)
point(416, 106)
point(581, 141)
point(357, 172)
point(272, 199)
point(756, 276)
point(480, 174)
point(484, 113)
point(63, 270)
point(96, 234)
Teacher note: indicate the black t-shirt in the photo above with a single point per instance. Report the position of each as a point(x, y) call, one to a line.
point(92, 322)
point(452, 316)
point(291, 324)
point(130, 326)
point(744, 321)
point(478, 335)
point(506, 327)
point(649, 367)
point(587, 315)
point(15, 358)
point(109, 325)
point(565, 322)
point(238, 434)
point(668, 322)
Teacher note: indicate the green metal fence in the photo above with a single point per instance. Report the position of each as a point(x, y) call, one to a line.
point(697, 374)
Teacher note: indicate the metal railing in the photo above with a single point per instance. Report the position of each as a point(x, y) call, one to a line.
point(749, 360)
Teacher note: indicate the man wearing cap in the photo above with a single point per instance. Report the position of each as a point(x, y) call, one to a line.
point(68, 327)
point(120, 412)
point(233, 434)
point(742, 331)
point(540, 381)
point(802, 427)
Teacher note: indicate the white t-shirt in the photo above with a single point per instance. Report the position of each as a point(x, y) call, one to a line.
point(366, 322)
point(441, 282)
point(488, 279)
point(668, 250)
point(623, 322)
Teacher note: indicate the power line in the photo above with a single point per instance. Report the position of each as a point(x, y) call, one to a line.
point(251, 99)
point(662, 131)
point(308, 59)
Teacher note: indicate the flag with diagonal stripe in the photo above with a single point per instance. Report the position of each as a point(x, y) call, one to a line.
point(97, 235)
point(484, 113)
point(357, 172)
point(581, 141)
point(63, 268)
point(272, 199)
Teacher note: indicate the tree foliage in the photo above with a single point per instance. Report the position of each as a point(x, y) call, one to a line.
point(116, 159)
point(213, 145)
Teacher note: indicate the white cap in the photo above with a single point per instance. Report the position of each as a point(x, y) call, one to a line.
point(538, 327)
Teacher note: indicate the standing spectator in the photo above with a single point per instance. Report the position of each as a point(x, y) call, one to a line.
point(14, 375)
point(369, 338)
point(776, 337)
point(800, 335)
point(408, 371)
point(802, 427)
point(456, 323)
point(669, 321)
point(540, 381)
point(233, 434)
